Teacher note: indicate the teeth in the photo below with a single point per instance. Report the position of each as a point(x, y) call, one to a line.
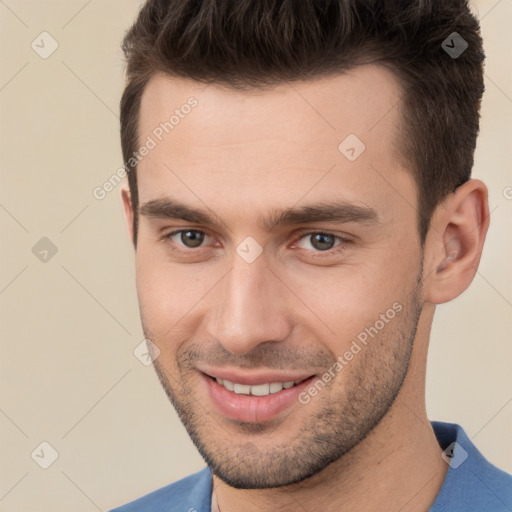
point(259, 390)
point(228, 385)
point(242, 389)
point(275, 387)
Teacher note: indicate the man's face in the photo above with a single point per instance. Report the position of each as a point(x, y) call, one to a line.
point(259, 299)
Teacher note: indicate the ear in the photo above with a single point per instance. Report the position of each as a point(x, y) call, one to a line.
point(454, 243)
point(128, 211)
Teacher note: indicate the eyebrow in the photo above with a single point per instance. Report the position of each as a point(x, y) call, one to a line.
point(327, 211)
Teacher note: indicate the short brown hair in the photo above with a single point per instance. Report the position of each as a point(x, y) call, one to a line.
point(246, 44)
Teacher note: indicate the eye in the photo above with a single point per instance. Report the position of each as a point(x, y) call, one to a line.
point(320, 241)
point(189, 238)
point(318, 244)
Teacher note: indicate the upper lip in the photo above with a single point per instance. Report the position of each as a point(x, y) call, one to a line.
point(254, 377)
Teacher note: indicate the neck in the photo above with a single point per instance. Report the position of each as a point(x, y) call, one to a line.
point(397, 467)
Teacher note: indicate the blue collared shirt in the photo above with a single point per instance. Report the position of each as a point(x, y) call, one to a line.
point(471, 484)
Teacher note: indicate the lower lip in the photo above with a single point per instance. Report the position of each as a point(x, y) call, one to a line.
point(253, 409)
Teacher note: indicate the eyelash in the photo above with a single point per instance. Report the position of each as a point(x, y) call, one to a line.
point(342, 246)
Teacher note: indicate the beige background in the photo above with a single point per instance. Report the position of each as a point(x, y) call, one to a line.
point(70, 325)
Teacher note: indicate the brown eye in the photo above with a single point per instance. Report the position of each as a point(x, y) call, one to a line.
point(189, 238)
point(192, 238)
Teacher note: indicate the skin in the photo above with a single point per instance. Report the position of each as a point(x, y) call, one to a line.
point(364, 442)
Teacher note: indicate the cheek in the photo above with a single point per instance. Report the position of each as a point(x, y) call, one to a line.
point(170, 295)
point(349, 300)
point(161, 293)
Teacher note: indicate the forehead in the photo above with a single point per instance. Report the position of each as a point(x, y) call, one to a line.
point(355, 101)
point(275, 145)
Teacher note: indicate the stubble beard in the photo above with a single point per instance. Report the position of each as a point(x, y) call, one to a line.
point(339, 419)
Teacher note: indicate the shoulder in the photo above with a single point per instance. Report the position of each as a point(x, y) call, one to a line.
point(191, 494)
point(472, 483)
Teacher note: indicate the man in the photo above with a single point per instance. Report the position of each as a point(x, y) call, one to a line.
point(300, 201)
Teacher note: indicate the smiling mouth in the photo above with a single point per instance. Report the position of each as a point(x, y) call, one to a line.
point(263, 389)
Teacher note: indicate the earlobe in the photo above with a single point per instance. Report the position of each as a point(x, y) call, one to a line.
point(128, 210)
point(454, 245)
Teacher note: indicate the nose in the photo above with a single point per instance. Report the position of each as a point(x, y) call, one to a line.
point(250, 308)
